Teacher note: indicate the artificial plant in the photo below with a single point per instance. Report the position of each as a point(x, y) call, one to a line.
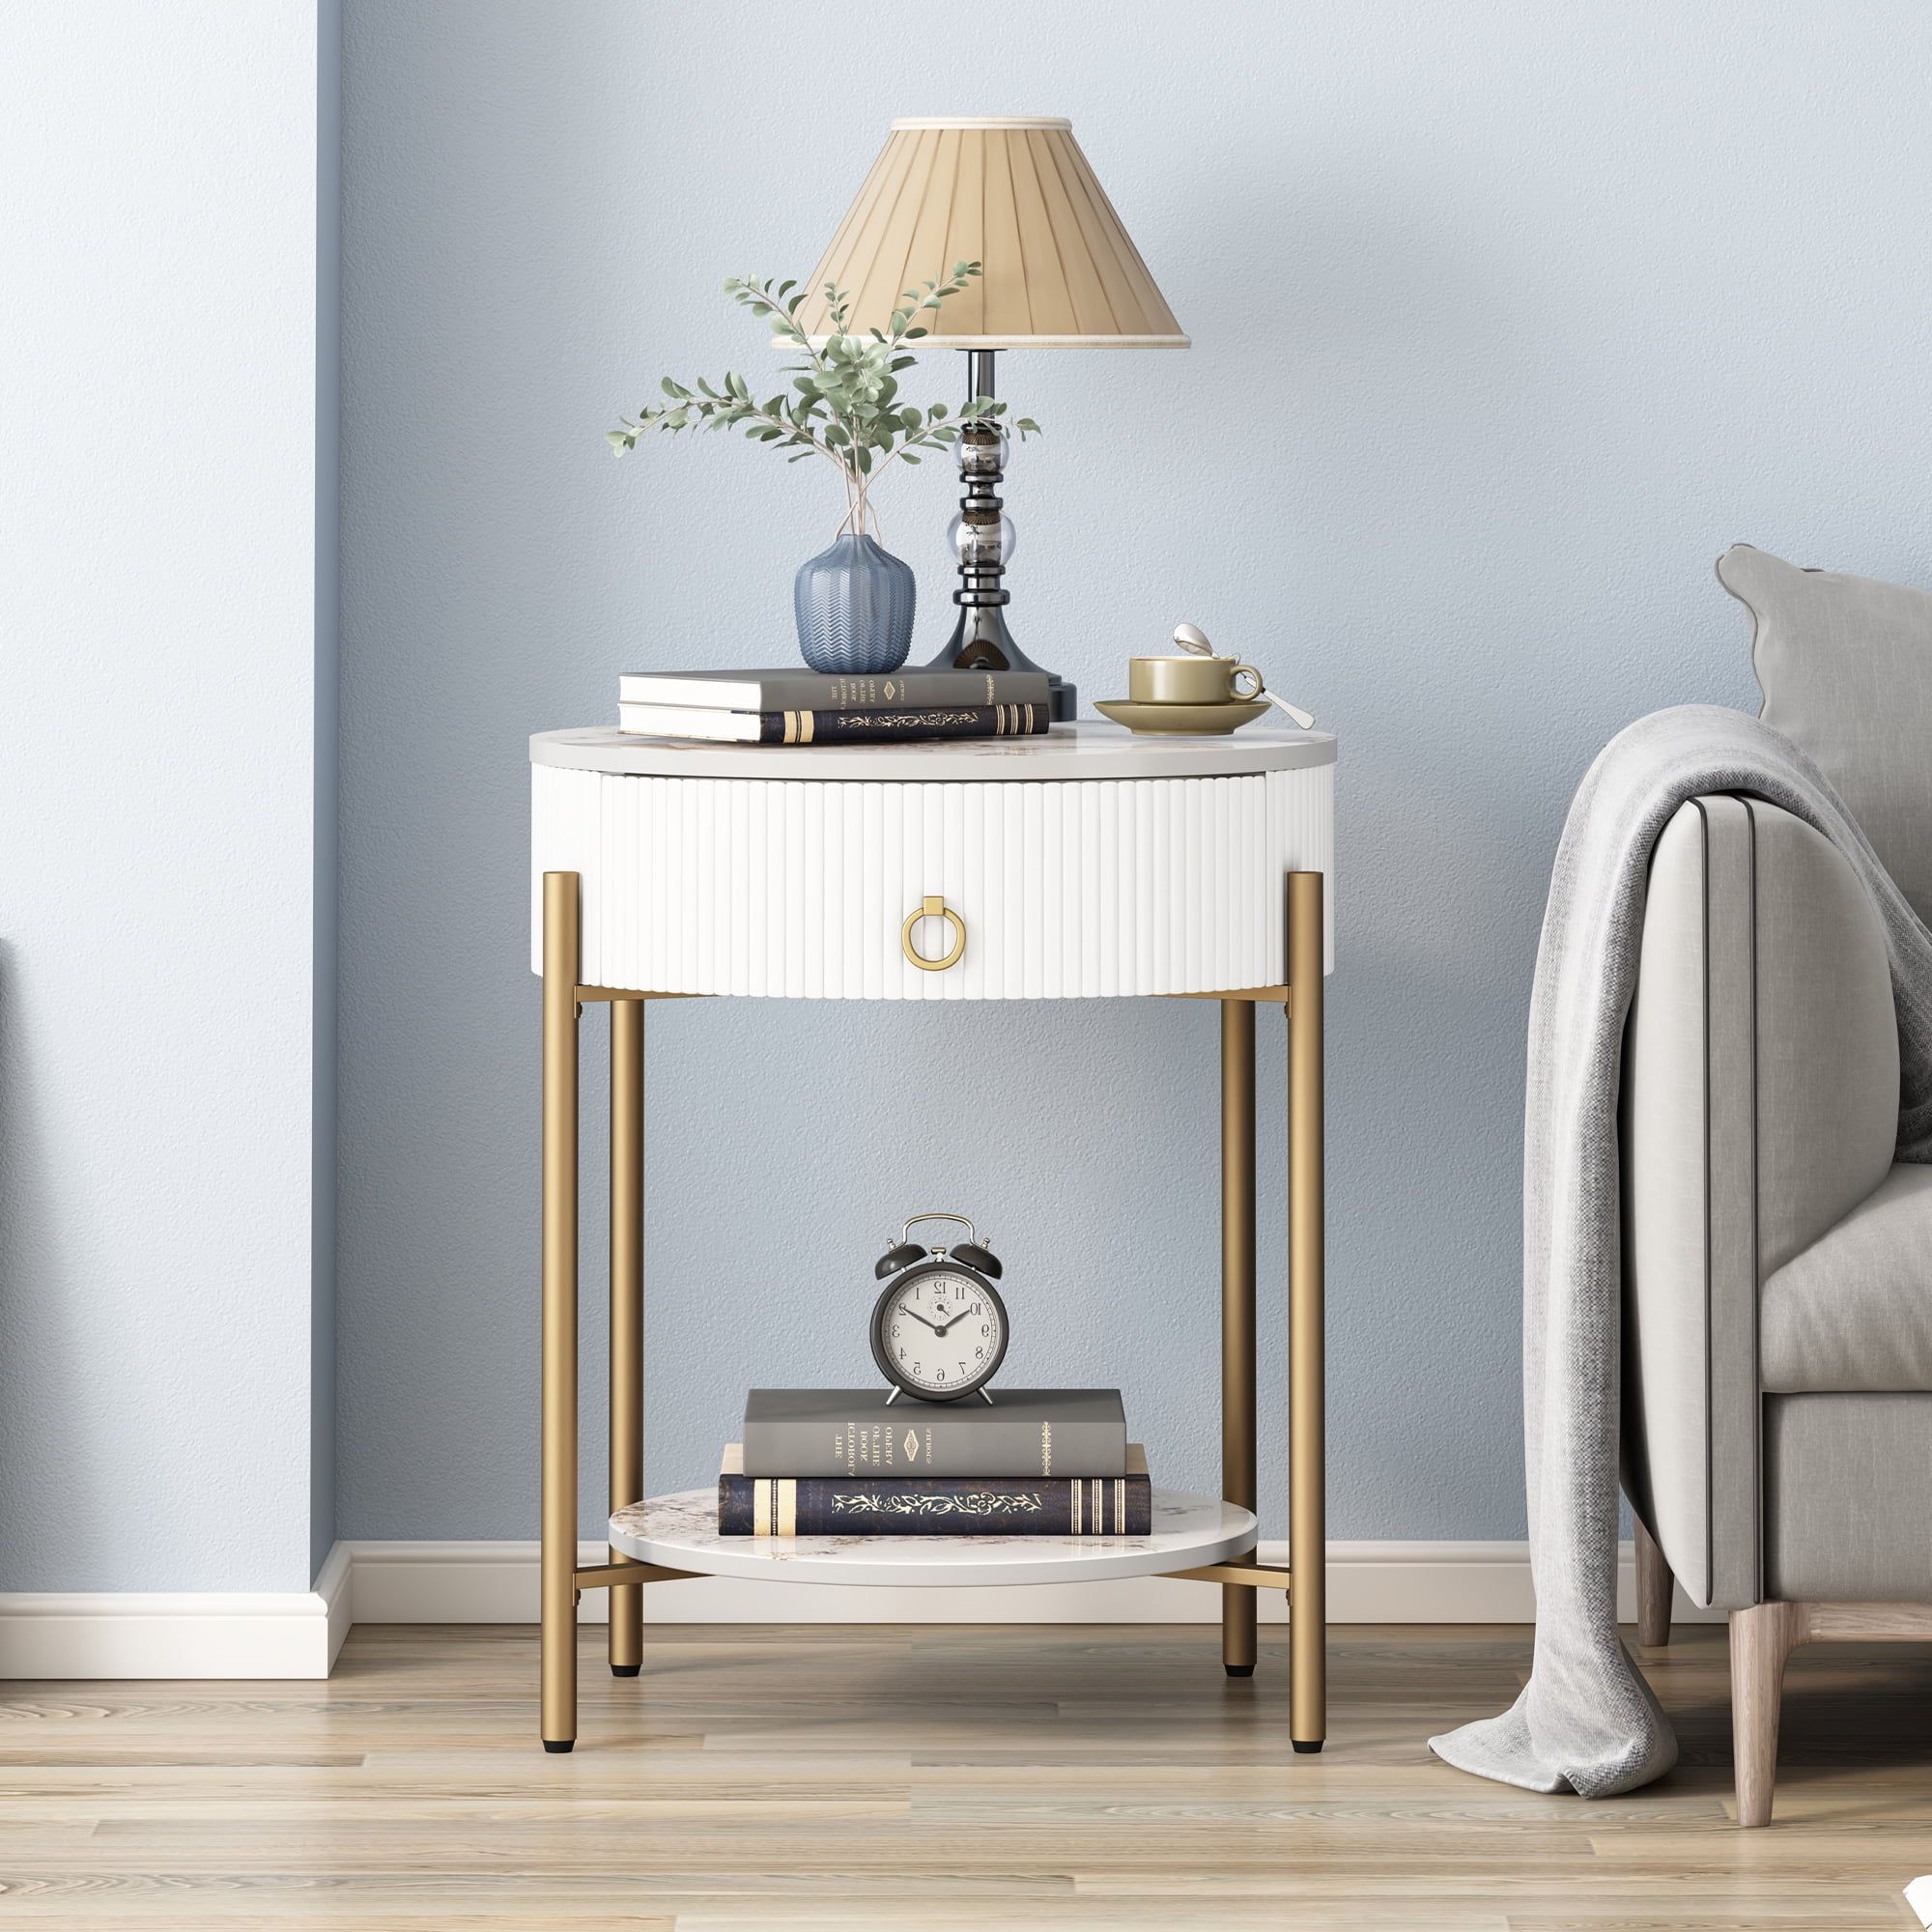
point(844, 404)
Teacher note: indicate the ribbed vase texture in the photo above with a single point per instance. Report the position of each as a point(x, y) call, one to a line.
point(854, 606)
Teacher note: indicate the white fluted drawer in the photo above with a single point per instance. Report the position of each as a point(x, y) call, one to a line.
point(798, 889)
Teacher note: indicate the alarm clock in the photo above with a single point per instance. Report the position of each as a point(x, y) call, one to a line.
point(939, 1328)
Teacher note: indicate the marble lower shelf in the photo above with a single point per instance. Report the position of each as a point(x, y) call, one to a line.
point(680, 1532)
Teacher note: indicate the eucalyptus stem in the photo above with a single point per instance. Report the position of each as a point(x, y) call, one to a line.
point(844, 405)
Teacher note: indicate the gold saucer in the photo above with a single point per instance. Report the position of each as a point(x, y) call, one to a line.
point(1183, 721)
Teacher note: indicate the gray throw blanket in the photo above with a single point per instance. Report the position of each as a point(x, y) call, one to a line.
point(1586, 1720)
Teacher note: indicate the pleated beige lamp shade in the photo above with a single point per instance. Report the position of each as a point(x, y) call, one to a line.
point(1060, 272)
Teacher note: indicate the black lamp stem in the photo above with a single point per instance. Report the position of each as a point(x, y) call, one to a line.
point(981, 640)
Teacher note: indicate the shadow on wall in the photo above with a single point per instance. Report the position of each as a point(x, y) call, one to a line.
point(47, 1449)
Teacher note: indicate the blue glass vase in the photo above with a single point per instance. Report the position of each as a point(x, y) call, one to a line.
point(854, 606)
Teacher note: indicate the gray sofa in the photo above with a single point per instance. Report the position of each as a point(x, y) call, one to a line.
point(1778, 1263)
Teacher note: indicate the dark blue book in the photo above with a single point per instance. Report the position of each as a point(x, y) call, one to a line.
point(934, 1505)
point(881, 725)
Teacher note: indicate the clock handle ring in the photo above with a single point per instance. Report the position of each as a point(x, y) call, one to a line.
point(937, 1214)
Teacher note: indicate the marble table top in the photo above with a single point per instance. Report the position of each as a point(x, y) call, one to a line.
point(681, 1533)
point(1079, 751)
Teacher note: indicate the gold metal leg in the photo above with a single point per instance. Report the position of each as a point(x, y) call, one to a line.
point(1237, 1309)
point(627, 1311)
point(558, 1649)
point(1307, 1527)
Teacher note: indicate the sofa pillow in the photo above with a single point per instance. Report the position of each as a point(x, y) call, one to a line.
point(1845, 664)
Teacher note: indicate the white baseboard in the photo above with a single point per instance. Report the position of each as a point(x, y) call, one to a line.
point(297, 1633)
point(1368, 1583)
point(335, 1585)
point(229, 1634)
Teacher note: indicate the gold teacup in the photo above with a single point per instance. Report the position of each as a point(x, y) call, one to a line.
point(1190, 680)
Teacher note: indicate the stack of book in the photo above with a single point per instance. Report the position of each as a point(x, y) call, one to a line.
point(809, 707)
point(844, 1463)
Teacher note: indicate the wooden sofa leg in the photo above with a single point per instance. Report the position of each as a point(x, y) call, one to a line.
point(1762, 1637)
point(1653, 1582)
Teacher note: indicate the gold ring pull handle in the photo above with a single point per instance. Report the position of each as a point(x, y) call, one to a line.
point(932, 907)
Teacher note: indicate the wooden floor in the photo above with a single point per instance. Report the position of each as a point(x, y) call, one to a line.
point(872, 1778)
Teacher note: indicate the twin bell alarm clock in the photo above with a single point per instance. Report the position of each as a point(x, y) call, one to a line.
point(939, 1328)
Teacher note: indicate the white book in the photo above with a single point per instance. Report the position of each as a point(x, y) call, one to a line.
point(690, 721)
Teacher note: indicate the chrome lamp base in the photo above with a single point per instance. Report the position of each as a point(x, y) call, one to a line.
point(983, 538)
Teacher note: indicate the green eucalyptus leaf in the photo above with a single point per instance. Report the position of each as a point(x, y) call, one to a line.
point(846, 394)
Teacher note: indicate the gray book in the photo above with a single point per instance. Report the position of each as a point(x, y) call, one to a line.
point(854, 1433)
point(798, 690)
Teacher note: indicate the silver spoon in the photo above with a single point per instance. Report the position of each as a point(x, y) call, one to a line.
point(1194, 639)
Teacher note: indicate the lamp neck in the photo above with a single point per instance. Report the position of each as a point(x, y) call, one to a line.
point(979, 378)
point(978, 453)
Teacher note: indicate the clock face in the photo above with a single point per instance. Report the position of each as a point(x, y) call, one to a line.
point(941, 1332)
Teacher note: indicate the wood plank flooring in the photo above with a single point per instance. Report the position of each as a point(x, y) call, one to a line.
point(874, 1779)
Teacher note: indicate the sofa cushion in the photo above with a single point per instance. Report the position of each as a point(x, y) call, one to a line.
point(1845, 664)
point(1853, 1311)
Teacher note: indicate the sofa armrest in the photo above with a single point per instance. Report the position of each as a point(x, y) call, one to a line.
point(1759, 1105)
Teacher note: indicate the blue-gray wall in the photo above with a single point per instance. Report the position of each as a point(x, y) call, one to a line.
point(1507, 319)
point(327, 803)
point(164, 743)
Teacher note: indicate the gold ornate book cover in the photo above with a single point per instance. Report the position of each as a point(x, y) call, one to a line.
point(934, 1506)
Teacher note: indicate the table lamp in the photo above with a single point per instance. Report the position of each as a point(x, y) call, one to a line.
point(1058, 271)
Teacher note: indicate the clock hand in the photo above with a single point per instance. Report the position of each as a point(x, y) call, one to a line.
point(917, 1317)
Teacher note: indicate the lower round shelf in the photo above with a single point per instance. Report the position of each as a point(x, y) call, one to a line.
point(681, 1533)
